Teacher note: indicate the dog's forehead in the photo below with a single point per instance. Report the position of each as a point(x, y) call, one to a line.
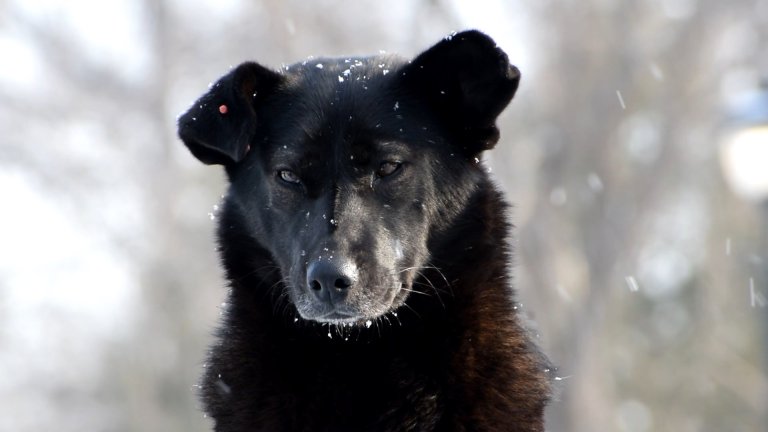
point(331, 86)
point(341, 70)
point(330, 99)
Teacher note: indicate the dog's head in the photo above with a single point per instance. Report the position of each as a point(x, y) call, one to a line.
point(343, 169)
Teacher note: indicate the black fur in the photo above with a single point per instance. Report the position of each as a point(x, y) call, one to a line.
point(366, 247)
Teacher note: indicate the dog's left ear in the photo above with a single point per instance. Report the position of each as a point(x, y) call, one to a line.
point(219, 127)
point(468, 81)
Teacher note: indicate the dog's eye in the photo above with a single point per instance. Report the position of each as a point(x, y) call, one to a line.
point(388, 168)
point(289, 177)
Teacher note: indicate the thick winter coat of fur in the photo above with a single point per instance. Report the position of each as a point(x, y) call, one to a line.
point(366, 247)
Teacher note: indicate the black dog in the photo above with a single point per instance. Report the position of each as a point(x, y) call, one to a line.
point(366, 247)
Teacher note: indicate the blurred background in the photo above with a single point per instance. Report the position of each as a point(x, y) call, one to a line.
point(636, 153)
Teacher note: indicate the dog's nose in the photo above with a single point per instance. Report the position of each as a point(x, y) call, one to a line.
point(330, 280)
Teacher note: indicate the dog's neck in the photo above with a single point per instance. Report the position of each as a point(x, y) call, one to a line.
point(468, 338)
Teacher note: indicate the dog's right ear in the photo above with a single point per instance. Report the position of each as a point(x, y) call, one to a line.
point(467, 81)
point(219, 127)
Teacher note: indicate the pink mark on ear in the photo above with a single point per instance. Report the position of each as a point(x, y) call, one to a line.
point(247, 148)
point(223, 109)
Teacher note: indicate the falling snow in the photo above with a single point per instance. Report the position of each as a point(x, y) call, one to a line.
point(656, 71)
point(756, 298)
point(594, 182)
point(632, 283)
point(621, 99)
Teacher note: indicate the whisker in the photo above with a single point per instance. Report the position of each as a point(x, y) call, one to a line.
point(415, 291)
point(442, 275)
point(386, 318)
point(377, 323)
point(434, 288)
point(412, 309)
point(429, 283)
point(440, 272)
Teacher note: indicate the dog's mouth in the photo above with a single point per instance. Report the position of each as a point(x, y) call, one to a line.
point(335, 288)
point(356, 309)
point(336, 317)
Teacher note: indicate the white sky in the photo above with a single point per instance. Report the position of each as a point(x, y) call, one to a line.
point(107, 33)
